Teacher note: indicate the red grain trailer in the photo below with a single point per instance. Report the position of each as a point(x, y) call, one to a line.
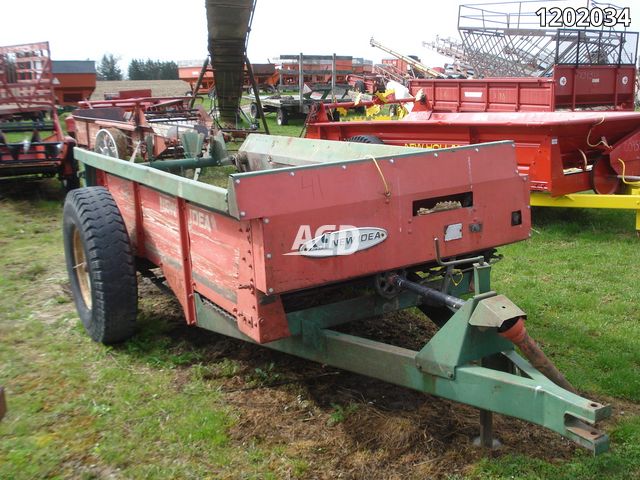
point(73, 81)
point(314, 68)
point(265, 75)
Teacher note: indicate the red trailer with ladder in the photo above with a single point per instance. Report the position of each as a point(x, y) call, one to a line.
point(32, 142)
point(572, 87)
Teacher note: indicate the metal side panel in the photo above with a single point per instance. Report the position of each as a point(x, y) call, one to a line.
point(228, 24)
point(208, 196)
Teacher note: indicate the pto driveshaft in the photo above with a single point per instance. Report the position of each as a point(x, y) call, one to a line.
point(512, 329)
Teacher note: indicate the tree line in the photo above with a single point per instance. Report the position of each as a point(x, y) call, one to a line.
point(139, 69)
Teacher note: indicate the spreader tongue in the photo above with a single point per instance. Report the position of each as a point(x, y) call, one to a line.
point(494, 311)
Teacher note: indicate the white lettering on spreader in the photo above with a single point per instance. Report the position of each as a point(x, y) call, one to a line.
point(200, 219)
point(168, 206)
point(333, 240)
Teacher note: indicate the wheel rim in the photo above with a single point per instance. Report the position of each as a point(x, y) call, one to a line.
point(604, 180)
point(106, 144)
point(81, 268)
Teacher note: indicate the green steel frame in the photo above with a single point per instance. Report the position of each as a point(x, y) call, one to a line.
point(448, 366)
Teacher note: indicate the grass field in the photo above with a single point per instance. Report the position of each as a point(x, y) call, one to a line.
point(175, 402)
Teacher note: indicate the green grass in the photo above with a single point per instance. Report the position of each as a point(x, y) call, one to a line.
point(577, 278)
point(80, 410)
point(155, 407)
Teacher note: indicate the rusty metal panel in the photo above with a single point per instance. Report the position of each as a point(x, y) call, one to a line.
point(572, 87)
point(586, 86)
point(487, 95)
point(293, 204)
point(228, 23)
point(215, 242)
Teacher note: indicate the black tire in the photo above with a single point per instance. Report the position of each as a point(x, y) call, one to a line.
point(253, 110)
point(359, 86)
point(366, 139)
point(106, 293)
point(282, 117)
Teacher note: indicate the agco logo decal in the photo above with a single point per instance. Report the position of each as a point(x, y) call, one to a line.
point(333, 241)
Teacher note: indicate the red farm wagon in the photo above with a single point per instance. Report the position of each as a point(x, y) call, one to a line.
point(572, 87)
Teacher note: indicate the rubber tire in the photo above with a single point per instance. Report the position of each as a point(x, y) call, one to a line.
point(359, 86)
point(366, 139)
point(253, 110)
point(282, 117)
point(111, 267)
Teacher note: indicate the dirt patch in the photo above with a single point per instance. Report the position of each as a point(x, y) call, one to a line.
point(345, 425)
point(385, 429)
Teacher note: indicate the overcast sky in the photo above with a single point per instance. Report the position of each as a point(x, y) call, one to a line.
point(176, 30)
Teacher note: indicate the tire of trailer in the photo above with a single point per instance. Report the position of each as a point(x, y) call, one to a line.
point(366, 139)
point(100, 264)
point(253, 110)
point(282, 117)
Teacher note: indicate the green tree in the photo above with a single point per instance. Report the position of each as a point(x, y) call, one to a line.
point(152, 70)
point(135, 70)
point(108, 68)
